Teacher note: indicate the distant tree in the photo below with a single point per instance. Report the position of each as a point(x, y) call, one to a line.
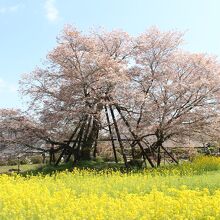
point(17, 129)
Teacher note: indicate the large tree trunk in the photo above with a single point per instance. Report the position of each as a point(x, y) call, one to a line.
point(91, 134)
point(89, 140)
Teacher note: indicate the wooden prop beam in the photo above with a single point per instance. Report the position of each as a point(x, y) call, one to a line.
point(118, 136)
point(111, 134)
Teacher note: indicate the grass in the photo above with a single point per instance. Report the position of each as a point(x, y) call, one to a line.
point(199, 165)
point(23, 168)
point(82, 165)
point(35, 169)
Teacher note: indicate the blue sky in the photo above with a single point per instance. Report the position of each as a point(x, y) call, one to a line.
point(29, 29)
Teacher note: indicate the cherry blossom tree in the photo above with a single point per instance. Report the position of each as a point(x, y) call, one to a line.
point(18, 131)
point(81, 71)
point(178, 92)
point(143, 88)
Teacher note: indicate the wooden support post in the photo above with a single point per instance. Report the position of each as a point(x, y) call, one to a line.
point(68, 144)
point(135, 137)
point(72, 149)
point(73, 134)
point(95, 145)
point(164, 160)
point(60, 157)
point(76, 141)
point(118, 136)
point(52, 154)
point(80, 137)
point(158, 156)
point(95, 149)
point(111, 135)
point(176, 161)
point(132, 149)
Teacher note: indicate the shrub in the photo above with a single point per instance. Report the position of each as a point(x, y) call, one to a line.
point(36, 159)
point(12, 162)
point(3, 162)
point(206, 163)
point(99, 159)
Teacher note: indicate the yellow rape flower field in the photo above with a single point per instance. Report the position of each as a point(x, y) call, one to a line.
point(188, 191)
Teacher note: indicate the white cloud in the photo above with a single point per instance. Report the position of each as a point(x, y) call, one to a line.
point(9, 9)
point(52, 12)
point(14, 8)
point(7, 87)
